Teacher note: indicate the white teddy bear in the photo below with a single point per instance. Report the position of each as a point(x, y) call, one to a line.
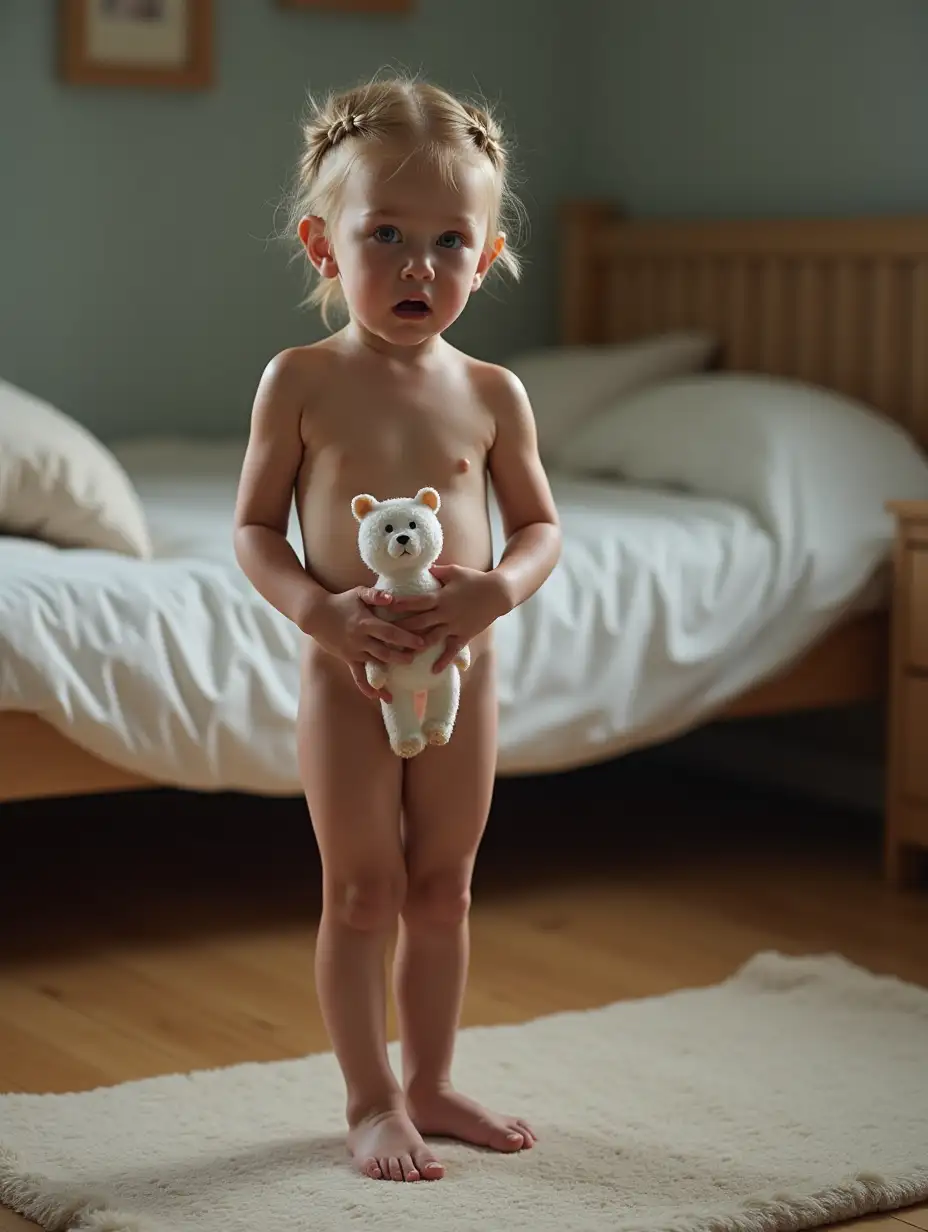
point(400, 540)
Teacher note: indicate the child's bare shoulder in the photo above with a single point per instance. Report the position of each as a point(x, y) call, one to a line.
point(292, 380)
point(299, 367)
point(500, 389)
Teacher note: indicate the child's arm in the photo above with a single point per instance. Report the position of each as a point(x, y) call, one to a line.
point(265, 494)
point(530, 518)
point(470, 599)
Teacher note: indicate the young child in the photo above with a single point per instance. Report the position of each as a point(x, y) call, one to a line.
point(399, 204)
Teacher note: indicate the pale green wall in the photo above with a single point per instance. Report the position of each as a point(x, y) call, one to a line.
point(135, 287)
point(755, 106)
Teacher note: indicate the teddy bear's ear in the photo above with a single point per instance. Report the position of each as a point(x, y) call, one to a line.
point(430, 498)
point(362, 505)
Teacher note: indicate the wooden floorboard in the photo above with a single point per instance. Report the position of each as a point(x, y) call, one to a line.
point(154, 932)
point(916, 1217)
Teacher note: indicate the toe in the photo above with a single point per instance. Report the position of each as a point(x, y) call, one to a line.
point(410, 1171)
point(372, 1169)
point(506, 1138)
point(429, 1167)
point(527, 1133)
point(396, 1172)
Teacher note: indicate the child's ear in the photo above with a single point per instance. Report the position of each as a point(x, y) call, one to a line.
point(314, 239)
point(487, 257)
point(362, 505)
point(430, 498)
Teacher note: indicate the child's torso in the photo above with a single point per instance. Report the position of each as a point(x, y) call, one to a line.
point(389, 434)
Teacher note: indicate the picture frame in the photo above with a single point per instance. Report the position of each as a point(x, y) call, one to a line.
point(158, 44)
point(350, 6)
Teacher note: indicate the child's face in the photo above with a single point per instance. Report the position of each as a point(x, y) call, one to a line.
point(409, 247)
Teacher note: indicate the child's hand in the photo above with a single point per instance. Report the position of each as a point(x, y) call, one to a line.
point(346, 627)
point(469, 602)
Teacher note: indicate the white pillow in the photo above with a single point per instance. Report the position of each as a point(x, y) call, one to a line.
point(791, 453)
point(60, 484)
point(568, 385)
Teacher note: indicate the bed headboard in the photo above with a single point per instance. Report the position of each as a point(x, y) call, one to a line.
point(838, 302)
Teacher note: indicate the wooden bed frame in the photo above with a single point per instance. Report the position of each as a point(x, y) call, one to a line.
point(839, 302)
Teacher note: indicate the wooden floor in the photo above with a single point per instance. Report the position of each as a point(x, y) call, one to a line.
point(153, 933)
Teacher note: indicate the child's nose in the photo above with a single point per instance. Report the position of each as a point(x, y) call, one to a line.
point(419, 268)
point(404, 539)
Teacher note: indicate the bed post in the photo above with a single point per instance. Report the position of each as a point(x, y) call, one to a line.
point(581, 299)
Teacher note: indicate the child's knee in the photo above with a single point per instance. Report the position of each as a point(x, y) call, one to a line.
point(368, 903)
point(437, 900)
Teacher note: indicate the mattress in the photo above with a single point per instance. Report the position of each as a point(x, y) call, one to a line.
point(663, 607)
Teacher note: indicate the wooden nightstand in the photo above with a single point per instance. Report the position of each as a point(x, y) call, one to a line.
point(907, 769)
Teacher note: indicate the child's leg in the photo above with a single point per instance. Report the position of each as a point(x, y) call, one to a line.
point(353, 783)
point(446, 799)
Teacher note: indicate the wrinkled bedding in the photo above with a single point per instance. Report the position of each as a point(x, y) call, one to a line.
point(663, 607)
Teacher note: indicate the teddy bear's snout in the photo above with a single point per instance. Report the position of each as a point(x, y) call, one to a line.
point(404, 544)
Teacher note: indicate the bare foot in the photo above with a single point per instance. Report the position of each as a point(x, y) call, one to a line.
point(387, 1146)
point(446, 1114)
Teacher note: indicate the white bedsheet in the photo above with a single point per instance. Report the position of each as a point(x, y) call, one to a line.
point(662, 608)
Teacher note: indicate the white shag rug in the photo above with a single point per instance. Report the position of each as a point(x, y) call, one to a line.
point(791, 1095)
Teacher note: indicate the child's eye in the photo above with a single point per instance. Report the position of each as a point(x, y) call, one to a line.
point(386, 234)
point(412, 526)
point(450, 239)
point(388, 529)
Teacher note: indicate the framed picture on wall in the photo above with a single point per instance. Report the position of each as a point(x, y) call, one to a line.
point(350, 6)
point(166, 44)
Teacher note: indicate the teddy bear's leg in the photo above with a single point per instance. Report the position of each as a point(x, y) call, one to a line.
point(462, 659)
point(402, 723)
point(441, 707)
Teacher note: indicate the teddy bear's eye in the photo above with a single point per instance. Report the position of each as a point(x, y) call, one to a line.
point(412, 526)
point(388, 529)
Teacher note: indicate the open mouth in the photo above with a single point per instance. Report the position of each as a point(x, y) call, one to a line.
point(412, 309)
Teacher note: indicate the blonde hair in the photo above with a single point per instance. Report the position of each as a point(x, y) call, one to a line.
point(434, 122)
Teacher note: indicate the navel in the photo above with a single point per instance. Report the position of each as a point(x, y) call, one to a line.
point(463, 466)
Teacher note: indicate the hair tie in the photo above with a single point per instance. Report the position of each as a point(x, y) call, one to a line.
point(481, 137)
point(483, 141)
point(347, 126)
